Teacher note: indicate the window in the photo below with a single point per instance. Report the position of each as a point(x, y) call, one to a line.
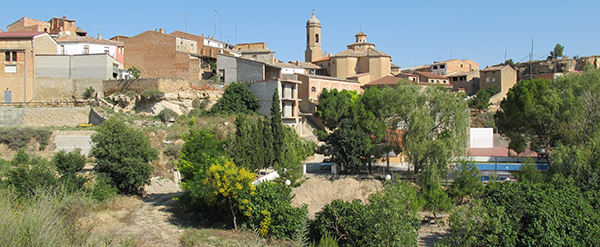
point(317, 38)
point(10, 68)
point(435, 67)
point(121, 50)
point(442, 66)
point(10, 56)
point(106, 49)
point(313, 89)
point(86, 49)
point(461, 65)
point(487, 79)
point(493, 79)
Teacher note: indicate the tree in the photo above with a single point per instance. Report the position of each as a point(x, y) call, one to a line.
point(481, 101)
point(435, 199)
point(558, 51)
point(230, 182)
point(123, 154)
point(347, 145)
point(466, 181)
point(527, 112)
point(134, 72)
point(237, 98)
point(296, 149)
point(201, 149)
point(277, 129)
point(335, 106)
point(433, 123)
point(528, 172)
point(509, 62)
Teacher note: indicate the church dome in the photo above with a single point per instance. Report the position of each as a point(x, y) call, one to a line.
point(313, 21)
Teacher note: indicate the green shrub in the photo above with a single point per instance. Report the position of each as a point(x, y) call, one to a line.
point(274, 201)
point(173, 150)
point(68, 165)
point(32, 175)
point(89, 93)
point(123, 153)
point(152, 95)
point(102, 189)
point(131, 94)
point(167, 114)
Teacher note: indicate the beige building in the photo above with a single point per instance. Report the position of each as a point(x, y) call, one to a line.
point(502, 77)
point(27, 24)
point(360, 62)
point(312, 86)
point(465, 80)
point(18, 64)
point(256, 51)
point(449, 67)
point(429, 77)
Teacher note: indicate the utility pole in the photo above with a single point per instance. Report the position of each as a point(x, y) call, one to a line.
point(185, 20)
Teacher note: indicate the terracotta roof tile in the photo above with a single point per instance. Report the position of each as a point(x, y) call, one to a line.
point(20, 34)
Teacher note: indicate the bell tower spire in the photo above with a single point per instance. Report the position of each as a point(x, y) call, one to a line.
point(313, 39)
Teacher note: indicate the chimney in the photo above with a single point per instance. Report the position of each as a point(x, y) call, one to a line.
point(162, 30)
point(99, 36)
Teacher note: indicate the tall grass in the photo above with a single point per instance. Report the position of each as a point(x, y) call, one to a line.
point(48, 217)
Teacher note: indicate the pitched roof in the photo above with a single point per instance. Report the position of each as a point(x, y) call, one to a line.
point(386, 80)
point(287, 65)
point(369, 52)
point(20, 34)
point(405, 74)
point(431, 75)
point(306, 65)
point(87, 39)
point(495, 68)
point(321, 59)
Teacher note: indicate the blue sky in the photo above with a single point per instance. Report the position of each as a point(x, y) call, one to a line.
point(412, 32)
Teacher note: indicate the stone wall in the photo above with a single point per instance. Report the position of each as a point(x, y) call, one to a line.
point(55, 116)
point(167, 85)
point(64, 89)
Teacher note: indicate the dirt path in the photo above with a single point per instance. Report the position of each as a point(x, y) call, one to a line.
point(149, 221)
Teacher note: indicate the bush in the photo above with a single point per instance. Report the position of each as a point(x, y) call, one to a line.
point(68, 165)
point(272, 211)
point(173, 150)
point(102, 189)
point(123, 154)
point(167, 114)
point(200, 103)
point(152, 95)
point(17, 138)
point(89, 93)
point(29, 175)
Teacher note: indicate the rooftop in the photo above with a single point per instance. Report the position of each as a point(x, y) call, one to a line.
point(431, 75)
point(20, 34)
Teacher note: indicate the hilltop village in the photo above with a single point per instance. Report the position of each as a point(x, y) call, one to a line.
point(174, 138)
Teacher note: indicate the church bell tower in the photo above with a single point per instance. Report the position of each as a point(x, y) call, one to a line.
point(313, 40)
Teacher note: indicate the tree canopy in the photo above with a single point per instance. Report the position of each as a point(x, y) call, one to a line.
point(237, 98)
point(124, 154)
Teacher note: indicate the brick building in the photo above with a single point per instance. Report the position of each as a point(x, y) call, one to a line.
point(313, 85)
point(27, 24)
point(430, 77)
point(179, 54)
point(256, 51)
point(18, 51)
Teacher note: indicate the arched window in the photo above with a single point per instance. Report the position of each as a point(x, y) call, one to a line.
point(313, 89)
point(317, 38)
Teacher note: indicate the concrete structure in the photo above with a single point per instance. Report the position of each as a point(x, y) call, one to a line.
point(313, 40)
point(449, 67)
point(178, 54)
point(313, 85)
point(256, 51)
point(288, 96)
point(481, 137)
point(76, 45)
point(502, 77)
point(93, 66)
point(237, 69)
point(19, 50)
point(290, 69)
point(64, 89)
point(43, 116)
point(309, 68)
point(467, 81)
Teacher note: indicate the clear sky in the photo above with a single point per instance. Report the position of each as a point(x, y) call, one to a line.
point(412, 32)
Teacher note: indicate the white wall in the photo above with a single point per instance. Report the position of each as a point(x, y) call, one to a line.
point(77, 49)
point(481, 138)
